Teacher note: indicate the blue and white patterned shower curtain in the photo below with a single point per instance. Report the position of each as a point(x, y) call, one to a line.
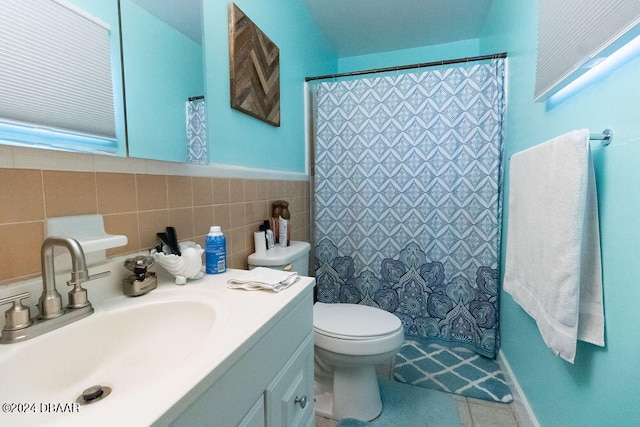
point(407, 198)
point(197, 148)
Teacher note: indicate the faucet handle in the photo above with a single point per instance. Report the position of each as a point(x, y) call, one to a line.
point(18, 316)
point(78, 295)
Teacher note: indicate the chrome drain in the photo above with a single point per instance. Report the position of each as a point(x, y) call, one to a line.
point(93, 394)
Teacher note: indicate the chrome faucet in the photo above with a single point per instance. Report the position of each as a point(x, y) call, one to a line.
point(19, 326)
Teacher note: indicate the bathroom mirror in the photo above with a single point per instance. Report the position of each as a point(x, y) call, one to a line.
point(163, 68)
point(88, 115)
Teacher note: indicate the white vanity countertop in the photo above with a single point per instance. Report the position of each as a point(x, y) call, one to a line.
point(241, 318)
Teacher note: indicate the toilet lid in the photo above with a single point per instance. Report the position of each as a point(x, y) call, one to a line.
point(353, 321)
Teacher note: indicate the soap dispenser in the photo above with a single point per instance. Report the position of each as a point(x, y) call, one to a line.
point(142, 280)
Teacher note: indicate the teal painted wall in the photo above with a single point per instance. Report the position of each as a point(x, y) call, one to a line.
point(236, 138)
point(603, 387)
point(162, 69)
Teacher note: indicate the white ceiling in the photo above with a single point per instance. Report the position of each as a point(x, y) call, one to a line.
point(358, 27)
point(183, 15)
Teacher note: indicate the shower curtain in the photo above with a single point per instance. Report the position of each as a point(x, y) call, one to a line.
point(197, 148)
point(407, 203)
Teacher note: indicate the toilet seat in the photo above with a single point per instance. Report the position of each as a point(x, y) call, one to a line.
point(356, 329)
point(353, 321)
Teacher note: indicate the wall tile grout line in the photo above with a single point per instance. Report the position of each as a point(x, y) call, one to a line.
point(138, 219)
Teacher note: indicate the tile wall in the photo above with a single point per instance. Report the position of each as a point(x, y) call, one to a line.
point(138, 206)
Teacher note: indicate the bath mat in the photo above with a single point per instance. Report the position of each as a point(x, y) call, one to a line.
point(457, 370)
point(409, 406)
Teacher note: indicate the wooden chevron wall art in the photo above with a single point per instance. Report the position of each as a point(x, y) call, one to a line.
point(254, 67)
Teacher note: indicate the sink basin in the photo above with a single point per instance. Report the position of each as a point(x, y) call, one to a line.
point(162, 355)
point(127, 344)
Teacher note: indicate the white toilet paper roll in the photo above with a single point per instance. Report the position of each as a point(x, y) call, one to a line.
point(260, 242)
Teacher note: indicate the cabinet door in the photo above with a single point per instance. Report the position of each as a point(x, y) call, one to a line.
point(255, 417)
point(290, 395)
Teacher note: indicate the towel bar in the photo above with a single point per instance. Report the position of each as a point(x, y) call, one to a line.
point(606, 136)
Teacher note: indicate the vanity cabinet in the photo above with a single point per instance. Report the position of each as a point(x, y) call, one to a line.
point(289, 398)
point(270, 384)
point(255, 417)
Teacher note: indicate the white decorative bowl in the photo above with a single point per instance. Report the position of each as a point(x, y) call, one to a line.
point(183, 267)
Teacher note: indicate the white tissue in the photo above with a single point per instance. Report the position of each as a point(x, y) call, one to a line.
point(260, 242)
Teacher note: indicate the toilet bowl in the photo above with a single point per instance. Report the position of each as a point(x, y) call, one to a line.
point(349, 341)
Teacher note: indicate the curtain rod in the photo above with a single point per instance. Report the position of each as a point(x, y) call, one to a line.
point(407, 67)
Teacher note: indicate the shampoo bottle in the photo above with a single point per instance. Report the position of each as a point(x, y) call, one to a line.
point(274, 221)
point(284, 223)
point(268, 234)
point(215, 251)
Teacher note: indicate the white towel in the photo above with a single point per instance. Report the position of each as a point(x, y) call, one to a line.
point(553, 267)
point(263, 278)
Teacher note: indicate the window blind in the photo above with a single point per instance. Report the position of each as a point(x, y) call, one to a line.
point(55, 69)
point(572, 33)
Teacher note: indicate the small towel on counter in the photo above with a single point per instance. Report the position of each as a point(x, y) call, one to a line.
point(262, 278)
point(553, 267)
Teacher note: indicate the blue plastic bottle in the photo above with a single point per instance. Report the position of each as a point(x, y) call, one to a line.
point(215, 251)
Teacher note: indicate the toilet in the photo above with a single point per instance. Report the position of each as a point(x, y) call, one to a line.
point(349, 341)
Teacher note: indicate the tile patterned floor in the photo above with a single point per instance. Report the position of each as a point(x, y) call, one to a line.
point(473, 412)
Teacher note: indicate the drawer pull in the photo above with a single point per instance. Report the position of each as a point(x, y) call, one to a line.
point(287, 267)
point(302, 401)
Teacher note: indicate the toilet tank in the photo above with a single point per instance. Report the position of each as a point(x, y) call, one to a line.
point(290, 258)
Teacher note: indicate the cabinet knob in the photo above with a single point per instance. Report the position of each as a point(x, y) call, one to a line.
point(302, 401)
